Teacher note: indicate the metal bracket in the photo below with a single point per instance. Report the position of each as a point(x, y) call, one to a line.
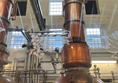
point(5, 19)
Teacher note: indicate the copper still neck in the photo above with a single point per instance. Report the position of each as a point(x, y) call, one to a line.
point(77, 53)
point(5, 11)
point(76, 56)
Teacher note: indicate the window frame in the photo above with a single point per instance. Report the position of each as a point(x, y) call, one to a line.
point(54, 11)
point(97, 5)
point(54, 43)
point(9, 38)
point(102, 28)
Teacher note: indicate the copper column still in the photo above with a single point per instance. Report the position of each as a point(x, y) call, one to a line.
point(5, 11)
point(76, 56)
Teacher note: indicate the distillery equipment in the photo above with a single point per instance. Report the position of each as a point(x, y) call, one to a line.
point(76, 56)
point(5, 13)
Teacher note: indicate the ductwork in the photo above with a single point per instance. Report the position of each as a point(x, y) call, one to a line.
point(38, 13)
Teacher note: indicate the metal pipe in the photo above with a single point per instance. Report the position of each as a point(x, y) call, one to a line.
point(44, 31)
point(28, 36)
point(25, 35)
point(38, 14)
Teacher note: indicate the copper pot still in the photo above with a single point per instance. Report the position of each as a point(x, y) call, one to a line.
point(6, 79)
point(78, 77)
point(76, 56)
point(5, 11)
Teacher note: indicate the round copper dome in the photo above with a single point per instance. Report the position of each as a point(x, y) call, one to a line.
point(78, 77)
point(6, 79)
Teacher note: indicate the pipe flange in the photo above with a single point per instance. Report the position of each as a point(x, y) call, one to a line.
point(5, 19)
point(76, 69)
point(4, 50)
point(73, 21)
point(71, 2)
point(3, 44)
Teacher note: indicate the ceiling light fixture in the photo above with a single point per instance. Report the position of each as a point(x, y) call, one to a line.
point(104, 61)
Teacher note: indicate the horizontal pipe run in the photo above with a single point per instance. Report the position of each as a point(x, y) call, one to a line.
point(44, 31)
point(25, 36)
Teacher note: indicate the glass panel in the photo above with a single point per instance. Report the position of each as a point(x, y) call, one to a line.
point(93, 37)
point(17, 40)
point(55, 8)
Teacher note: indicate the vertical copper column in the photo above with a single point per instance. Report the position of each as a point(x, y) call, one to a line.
point(76, 54)
point(5, 10)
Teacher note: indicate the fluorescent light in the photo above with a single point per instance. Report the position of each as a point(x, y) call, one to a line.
point(104, 61)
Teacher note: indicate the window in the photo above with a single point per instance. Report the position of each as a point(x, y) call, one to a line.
point(22, 8)
point(17, 40)
point(92, 7)
point(55, 7)
point(93, 37)
point(54, 41)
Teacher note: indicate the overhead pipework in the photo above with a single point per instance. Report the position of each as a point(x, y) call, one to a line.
point(5, 13)
point(38, 14)
point(76, 56)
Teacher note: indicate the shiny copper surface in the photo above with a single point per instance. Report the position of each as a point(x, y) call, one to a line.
point(4, 27)
point(74, 28)
point(77, 77)
point(5, 10)
point(72, 12)
point(6, 79)
point(76, 55)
